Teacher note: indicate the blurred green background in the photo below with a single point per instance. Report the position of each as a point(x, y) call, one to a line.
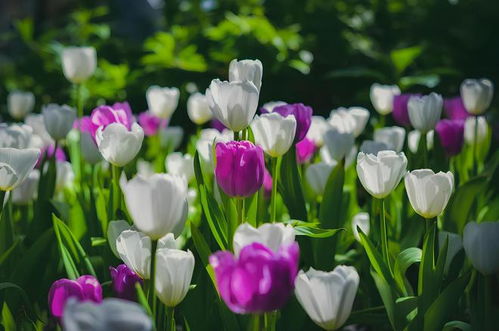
point(324, 53)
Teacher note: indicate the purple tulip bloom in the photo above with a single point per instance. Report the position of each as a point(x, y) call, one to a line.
point(259, 280)
point(216, 124)
point(85, 288)
point(451, 134)
point(120, 112)
point(454, 109)
point(151, 123)
point(48, 152)
point(302, 114)
point(267, 184)
point(124, 280)
point(305, 149)
point(400, 113)
point(240, 168)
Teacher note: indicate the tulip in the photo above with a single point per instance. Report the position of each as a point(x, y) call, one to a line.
point(482, 247)
point(267, 184)
point(216, 124)
point(477, 95)
point(85, 288)
point(327, 297)
point(180, 165)
point(58, 120)
point(360, 220)
point(162, 101)
point(240, 168)
point(317, 129)
point(317, 175)
point(469, 130)
point(413, 140)
point(198, 109)
point(15, 166)
point(158, 204)
point(338, 144)
point(173, 275)
point(305, 149)
point(428, 192)
point(114, 229)
point(382, 97)
point(89, 149)
point(272, 235)
point(20, 104)
point(171, 137)
point(259, 280)
point(425, 111)
point(78, 63)
point(381, 173)
point(454, 109)
point(111, 314)
point(15, 136)
point(124, 280)
point(144, 168)
point(51, 151)
point(27, 191)
point(373, 147)
point(233, 103)
point(64, 176)
point(36, 122)
point(117, 144)
point(204, 146)
point(151, 123)
point(251, 70)
point(451, 135)
point(274, 133)
point(393, 137)
point(352, 120)
point(103, 116)
point(268, 107)
point(302, 114)
point(400, 112)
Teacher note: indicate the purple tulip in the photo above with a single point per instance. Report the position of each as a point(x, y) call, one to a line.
point(259, 280)
point(302, 114)
point(105, 115)
point(48, 152)
point(451, 134)
point(454, 109)
point(240, 168)
point(85, 288)
point(267, 184)
point(305, 149)
point(124, 280)
point(151, 123)
point(216, 124)
point(400, 113)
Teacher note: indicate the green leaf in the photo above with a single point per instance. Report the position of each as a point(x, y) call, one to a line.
point(387, 296)
point(404, 57)
point(404, 260)
point(453, 325)
point(405, 310)
point(315, 232)
point(142, 299)
point(203, 250)
point(290, 186)
point(8, 321)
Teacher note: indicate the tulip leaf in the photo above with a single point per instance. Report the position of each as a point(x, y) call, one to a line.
point(290, 186)
point(387, 296)
point(203, 250)
point(405, 310)
point(404, 260)
point(7, 319)
point(404, 57)
point(453, 325)
point(142, 299)
point(315, 232)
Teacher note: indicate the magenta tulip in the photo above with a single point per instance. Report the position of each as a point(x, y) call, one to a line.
point(216, 124)
point(302, 114)
point(124, 280)
point(151, 123)
point(305, 149)
point(454, 109)
point(105, 115)
point(267, 184)
point(451, 135)
point(400, 113)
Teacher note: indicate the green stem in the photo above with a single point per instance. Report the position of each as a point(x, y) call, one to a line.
point(270, 319)
point(240, 210)
point(275, 179)
point(152, 278)
point(384, 236)
point(475, 148)
point(170, 316)
point(2, 198)
point(255, 323)
point(425, 150)
point(116, 193)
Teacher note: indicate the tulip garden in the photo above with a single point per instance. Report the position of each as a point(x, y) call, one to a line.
point(269, 215)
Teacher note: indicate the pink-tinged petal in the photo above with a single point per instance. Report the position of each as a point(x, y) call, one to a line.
point(59, 293)
point(92, 289)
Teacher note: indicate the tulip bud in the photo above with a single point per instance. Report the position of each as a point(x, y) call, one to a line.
point(205, 146)
point(305, 149)
point(393, 137)
point(425, 111)
point(180, 165)
point(36, 122)
point(481, 246)
point(272, 235)
point(27, 191)
point(117, 144)
point(381, 173)
point(360, 220)
point(58, 120)
point(20, 104)
point(15, 136)
point(150, 123)
point(327, 297)
point(268, 107)
point(302, 114)
point(114, 229)
point(274, 133)
point(317, 175)
point(162, 101)
point(171, 137)
point(103, 116)
point(469, 130)
point(174, 270)
point(373, 147)
point(413, 140)
point(124, 280)
point(400, 112)
point(79, 63)
point(64, 176)
point(382, 97)
point(240, 168)
point(251, 70)
point(428, 192)
point(454, 109)
point(338, 144)
point(15, 166)
point(198, 109)
point(317, 129)
point(89, 149)
point(349, 120)
point(477, 95)
point(451, 135)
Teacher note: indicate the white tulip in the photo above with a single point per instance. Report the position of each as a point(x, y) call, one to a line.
point(36, 122)
point(272, 235)
point(15, 166)
point(158, 204)
point(429, 192)
point(20, 104)
point(327, 297)
point(477, 95)
point(117, 144)
point(174, 270)
point(373, 147)
point(469, 130)
point(171, 137)
point(393, 137)
point(269, 106)
point(233, 103)
point(111, 314)
point(206, 146)
point(162, 101)
point(79, 63)
point(317, 175)
point(89, 149)
point(317, 129)
point(424, 112)
point(15, 136)
point(360, 220)
point(413, 140)
point(144, 168)
point(64, 176)
point(58, 120)
point(114, 229)
point(274, 133)
point(27, 191)
point(382, 97)
point(361, 116)
point(481, 244)
point(338, 144)
point(198, 109)
point(180, 165)
point(251, 70)
point(349, 120)
point(381, 173)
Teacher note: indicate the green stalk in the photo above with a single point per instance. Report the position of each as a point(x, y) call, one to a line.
point(2, 198)
point(475, 149)
point(116, 192)
point(240, 210)
point(384, 236)
point(152, 277)
point(425, 150)
point(270, 319)
point(275, 179)
point(170, 316)
point(255, 323)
